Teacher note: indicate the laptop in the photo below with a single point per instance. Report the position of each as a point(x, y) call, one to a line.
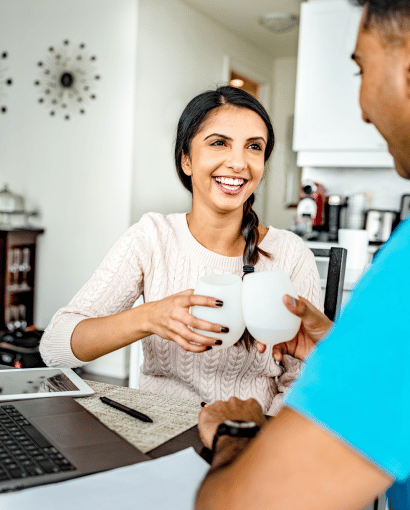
point(46, 440)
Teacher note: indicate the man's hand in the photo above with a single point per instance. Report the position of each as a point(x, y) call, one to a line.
point(234, 409)
point(315, 325)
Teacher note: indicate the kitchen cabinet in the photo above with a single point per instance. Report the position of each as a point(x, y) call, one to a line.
point(329, 130)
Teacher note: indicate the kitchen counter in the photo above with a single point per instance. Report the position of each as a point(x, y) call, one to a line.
point(351, 278)
point(326, 246)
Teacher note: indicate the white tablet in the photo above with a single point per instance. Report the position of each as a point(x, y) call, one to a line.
point(22, 383)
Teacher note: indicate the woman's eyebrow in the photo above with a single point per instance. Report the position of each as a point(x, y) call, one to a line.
point(252, 138)
point(256, 138)
point(218, 134)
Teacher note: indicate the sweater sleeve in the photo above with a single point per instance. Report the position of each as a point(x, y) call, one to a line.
point(305, 278)
point(113, 288)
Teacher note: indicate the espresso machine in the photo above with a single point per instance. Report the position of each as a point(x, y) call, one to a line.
point(310, 211)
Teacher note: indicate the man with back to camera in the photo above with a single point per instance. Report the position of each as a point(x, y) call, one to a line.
point(343, 436)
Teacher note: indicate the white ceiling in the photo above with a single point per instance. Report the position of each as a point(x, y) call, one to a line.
point(241, 17)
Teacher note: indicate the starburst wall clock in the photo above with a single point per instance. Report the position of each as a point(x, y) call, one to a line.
point(67, 80)
point(5, 81)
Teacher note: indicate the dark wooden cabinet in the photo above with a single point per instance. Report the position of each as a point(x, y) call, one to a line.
point(17, 277)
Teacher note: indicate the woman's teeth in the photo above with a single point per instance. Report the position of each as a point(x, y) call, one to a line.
point(230, 183)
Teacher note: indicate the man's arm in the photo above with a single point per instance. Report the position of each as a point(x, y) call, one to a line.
point(291, 464)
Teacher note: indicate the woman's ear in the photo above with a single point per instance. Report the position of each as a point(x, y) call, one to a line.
point(186, 164)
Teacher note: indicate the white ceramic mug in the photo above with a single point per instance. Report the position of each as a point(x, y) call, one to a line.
point(266, 317)
point(227, 288)
point(356, 243)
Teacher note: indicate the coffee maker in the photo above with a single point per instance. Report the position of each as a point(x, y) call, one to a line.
point(311, 206)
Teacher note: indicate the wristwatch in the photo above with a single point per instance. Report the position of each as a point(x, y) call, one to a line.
point(235, 428)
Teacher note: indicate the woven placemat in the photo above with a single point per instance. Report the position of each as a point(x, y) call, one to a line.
point(170, 416)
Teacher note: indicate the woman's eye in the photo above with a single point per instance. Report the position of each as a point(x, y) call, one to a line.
point(359, 73)
point(218, 143)
point(255, 146)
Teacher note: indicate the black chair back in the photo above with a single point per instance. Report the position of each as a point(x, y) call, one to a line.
point(335, 278)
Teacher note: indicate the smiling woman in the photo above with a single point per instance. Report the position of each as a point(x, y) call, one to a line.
point(224, 138)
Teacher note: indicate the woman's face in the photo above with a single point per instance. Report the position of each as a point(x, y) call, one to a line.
point(227, 158)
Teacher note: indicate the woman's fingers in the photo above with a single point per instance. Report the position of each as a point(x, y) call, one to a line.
point(191, 336)
point(187, 298)
point(171, 320)
point(197, 300)
point(200, 324)
point(187, 346)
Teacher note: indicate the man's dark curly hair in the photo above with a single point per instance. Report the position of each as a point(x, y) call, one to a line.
point(386, 13)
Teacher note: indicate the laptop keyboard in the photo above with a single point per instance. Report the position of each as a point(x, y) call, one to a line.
point(24, 451)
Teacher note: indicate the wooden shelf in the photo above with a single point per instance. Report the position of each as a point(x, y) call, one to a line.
point(14, 243)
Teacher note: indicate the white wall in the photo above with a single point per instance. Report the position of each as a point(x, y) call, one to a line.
point(180, 54)
point(77, 172)
point(283, 106)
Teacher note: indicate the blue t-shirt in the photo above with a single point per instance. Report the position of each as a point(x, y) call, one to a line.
point(356, 384)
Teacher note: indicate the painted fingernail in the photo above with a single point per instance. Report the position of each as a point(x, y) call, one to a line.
point(219, 302)
point(218, 342)
point(208, 348)
point(290, 301)
point(203, 404)
point(224, 330)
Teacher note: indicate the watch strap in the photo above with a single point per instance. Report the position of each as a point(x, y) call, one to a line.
point(225, 429)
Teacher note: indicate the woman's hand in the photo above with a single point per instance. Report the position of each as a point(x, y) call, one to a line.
point(234, 409)
point(315, 325)
point(169, 318)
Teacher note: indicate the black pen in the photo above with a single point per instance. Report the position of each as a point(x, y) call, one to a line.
point(127, 410)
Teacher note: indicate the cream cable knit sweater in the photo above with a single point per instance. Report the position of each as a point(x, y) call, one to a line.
point(157, 257)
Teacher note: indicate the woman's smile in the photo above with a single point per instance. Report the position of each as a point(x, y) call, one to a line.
point(230, 185)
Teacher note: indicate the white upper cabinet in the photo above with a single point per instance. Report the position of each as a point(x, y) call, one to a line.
point(329, 130)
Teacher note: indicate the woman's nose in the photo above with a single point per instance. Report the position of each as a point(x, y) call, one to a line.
point(236, 161)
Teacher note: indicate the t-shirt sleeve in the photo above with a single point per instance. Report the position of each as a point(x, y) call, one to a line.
point(356, 384)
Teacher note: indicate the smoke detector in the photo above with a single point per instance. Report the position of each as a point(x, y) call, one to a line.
point(279, 22)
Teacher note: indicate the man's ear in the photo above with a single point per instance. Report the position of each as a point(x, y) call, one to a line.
point(186, 164)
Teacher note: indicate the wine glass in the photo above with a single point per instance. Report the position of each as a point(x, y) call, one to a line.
point(13, 268)
point(22, 316)
point(227, 288)
point(266, 317)
point(24, 268)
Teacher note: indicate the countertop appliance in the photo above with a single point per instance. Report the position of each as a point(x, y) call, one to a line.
point(356, 211)
point(333, 209)
point(380, 224)
point(312, 201)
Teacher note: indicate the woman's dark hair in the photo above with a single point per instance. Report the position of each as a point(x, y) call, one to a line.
point(190, 123)
point(386, 13)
